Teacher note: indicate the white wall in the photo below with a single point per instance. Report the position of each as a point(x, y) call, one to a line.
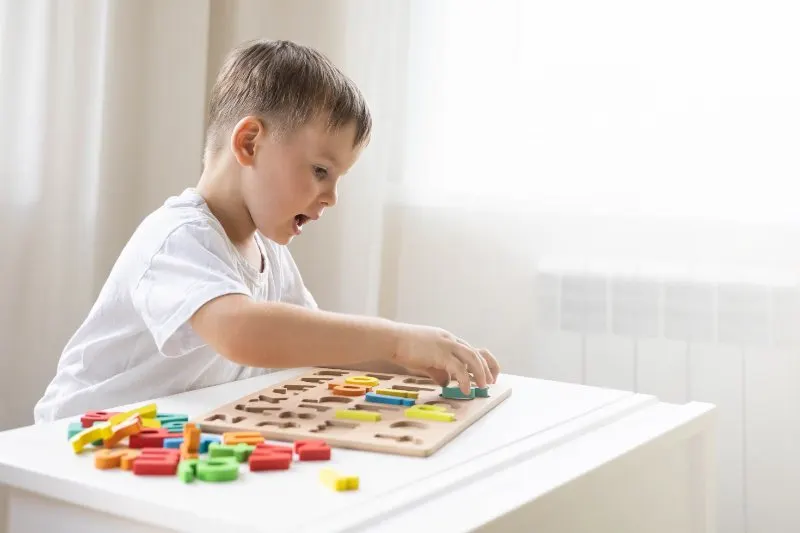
point(551, 299)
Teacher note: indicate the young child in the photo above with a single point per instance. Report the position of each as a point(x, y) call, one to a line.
point(206, 291)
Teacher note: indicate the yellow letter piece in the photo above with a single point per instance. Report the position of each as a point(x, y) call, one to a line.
point(364, 416)
point(364, 381)
point(145, 411)
point(333, 480)
point(89, 435)
point(437, 413)
point(396, 392)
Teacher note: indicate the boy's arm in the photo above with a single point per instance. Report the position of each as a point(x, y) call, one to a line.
point(378, 367)
point(281, 335)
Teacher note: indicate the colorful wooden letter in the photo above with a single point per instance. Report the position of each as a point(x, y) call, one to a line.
point(364, 416)
point(246, 437)
point(312, 450)
point(156, 462)
point(364, 381)
point(435, 413)
point(270, 457)
point(332, 479)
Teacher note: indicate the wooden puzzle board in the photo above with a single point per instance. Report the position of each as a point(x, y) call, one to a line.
point(304, 408)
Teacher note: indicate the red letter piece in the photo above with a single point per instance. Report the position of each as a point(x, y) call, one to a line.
point(151, 438)
point(270, 457)
point(312, 450)
point(90, 417)
point(157, 462)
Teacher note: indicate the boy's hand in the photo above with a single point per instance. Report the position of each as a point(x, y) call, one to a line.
point(443, 357)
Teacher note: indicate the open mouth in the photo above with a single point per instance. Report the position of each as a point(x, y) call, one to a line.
point(299, 220)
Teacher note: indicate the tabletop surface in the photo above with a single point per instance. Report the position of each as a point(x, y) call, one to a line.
point(38, 458)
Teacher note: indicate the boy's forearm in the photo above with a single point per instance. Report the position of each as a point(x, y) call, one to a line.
point(278, 335)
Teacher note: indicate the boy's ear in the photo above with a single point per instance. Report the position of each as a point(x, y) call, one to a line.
point(244, 139)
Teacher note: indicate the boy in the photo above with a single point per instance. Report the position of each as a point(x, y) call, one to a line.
point(198, 297)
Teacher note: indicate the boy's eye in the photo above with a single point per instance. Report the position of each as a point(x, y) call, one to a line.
point(320, 172)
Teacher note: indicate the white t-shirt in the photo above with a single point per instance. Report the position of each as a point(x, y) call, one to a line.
point(136, 344)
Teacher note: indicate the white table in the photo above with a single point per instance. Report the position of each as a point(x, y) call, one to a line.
point(554, 457)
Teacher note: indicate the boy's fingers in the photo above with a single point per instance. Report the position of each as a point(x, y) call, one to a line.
point(438, 375)
point(473, 361)
point(457, 370)
point(470, 361)
point(486, 371)
point(491, 362)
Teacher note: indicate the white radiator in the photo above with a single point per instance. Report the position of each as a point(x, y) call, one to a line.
point(710, 334)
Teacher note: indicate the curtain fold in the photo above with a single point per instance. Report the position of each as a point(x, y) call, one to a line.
point(102, 116)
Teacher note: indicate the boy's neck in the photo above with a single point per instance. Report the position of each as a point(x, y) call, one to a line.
point(219, 185)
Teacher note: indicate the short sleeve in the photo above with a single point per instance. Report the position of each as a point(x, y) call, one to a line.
point(194, 266)
point(294, 290)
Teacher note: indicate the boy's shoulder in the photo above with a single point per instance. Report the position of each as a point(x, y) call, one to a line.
point(189, 207)
point(182, 226)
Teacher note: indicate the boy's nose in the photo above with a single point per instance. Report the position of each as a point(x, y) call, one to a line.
point(329, 197)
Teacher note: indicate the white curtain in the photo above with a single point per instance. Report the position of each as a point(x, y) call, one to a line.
point(102, 107)
point(606, 193)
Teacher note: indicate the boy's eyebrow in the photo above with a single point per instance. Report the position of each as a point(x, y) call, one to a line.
point(331, 158)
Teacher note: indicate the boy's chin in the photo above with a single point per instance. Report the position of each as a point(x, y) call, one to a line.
point(279, 237)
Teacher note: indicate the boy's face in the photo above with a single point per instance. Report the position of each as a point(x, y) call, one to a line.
point(291, 180)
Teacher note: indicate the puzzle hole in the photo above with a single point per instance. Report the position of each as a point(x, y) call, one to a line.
point(279, 391)
point(331, 373)
point(375, 408)
point(279, 425)
point(292, 414)
point(237, 419)
point(301, 388)
point(213, 418)
point(399, 438)
point(454, 405)
point(381, 377)
point(315, 380)
point(268, 399)
point(408, 424)
point(333, 425)
point(412, 388)
point(318, 408)
point(335, 399)
point(419, 381)
point(261, 409)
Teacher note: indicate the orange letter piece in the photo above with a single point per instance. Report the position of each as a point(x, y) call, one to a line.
point(106, 459)
point(247, 437)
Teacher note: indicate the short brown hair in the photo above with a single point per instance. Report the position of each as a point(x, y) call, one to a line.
point(288, 85)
